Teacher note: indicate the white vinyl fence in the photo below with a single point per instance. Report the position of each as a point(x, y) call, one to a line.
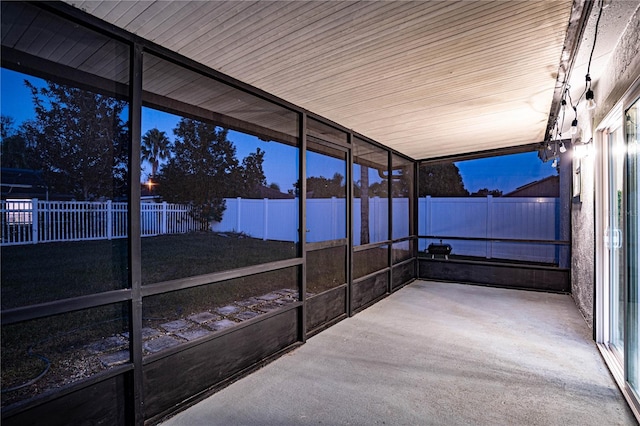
point(326, 219)
point(525, 218)
point(37, 221)
point(471, 217)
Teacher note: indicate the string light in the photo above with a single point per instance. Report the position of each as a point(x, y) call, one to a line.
point(588, 90)
point(563, 148)
point(591, 103)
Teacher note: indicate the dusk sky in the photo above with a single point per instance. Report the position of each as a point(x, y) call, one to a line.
point(505, 173)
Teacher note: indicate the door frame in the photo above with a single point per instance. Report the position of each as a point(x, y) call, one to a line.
point(613, 120)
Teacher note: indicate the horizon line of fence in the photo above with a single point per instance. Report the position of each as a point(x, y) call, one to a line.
point(527, 218)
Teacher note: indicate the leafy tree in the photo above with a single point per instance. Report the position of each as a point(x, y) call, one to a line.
point(15, 152)
point(322, 187)
point(364, 204)
point(486, 191)
point(441, 180)
point(79, 140)
point(155, 147)
point(274, 186)
point(203, 170)
point(7, 126)
point(252, 174)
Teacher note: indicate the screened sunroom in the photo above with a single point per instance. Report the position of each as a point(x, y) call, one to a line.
point(191, 190)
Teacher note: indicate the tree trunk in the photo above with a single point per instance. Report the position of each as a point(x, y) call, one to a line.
point(364, 205)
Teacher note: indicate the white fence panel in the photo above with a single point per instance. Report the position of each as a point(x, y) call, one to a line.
point(326, 219)
point(378, 220)
point(252, 216)
point(165, 218)
point(16, 222)
point(34, 221)
point(400, 215)
point(526, 218)
point(260, 218)
point(281, 223)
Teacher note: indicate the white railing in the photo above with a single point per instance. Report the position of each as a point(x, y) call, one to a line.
point(37, 221)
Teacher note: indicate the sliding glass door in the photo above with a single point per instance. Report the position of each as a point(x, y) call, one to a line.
point(614, 240)
point(618, 315)
point(632, 123)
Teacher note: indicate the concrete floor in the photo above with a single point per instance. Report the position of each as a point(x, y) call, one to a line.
point(434, 354)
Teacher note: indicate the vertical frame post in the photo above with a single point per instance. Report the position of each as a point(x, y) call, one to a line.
point(390, 220)
point(349, 208)
point(303, 224)
point(134, 243)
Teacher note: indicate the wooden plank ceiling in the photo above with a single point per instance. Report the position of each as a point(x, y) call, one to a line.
point(427, 78)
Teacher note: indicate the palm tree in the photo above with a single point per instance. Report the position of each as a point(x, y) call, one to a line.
point(155, 148)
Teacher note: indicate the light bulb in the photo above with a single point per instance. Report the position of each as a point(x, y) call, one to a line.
point(563, 148)
point(574, 126)
point(591, 103)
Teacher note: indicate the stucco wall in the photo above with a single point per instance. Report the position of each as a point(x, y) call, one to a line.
point(621, 71)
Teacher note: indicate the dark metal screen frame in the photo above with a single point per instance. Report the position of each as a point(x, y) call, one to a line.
point(136, 292)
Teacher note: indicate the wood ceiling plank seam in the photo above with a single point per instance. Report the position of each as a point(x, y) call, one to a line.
point(173, 22)
point(87, 6)
point(233, 28)
point(79, 54)
point(127, 11)
point(147, 17)
point(163, 17)
point(36, 36)
point(179, 41)
point(410, 87)
point(444, 59)
point(426, 119)
point(438, 115)
point(312, 59)
point(374, 45)
point(173, 37)
point(294, 31)
point(95, 61)
point(444, 63)
point(455, 138)
point(13, 32)
point(341, 60)
point(104, 8)
point(219, 23)
point(306, 30)
point(417, 115)
point(158, 78)
point(61, 44)
point(173, 87)
point(309, 34)
point(488, 119)
point(269, 30)
point(458, 146)
point(247, 33)
point(205, 89)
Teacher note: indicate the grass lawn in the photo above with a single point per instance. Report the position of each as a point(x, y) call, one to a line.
point(45, 272)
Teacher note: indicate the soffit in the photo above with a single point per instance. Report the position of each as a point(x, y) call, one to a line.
point(427, 78)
